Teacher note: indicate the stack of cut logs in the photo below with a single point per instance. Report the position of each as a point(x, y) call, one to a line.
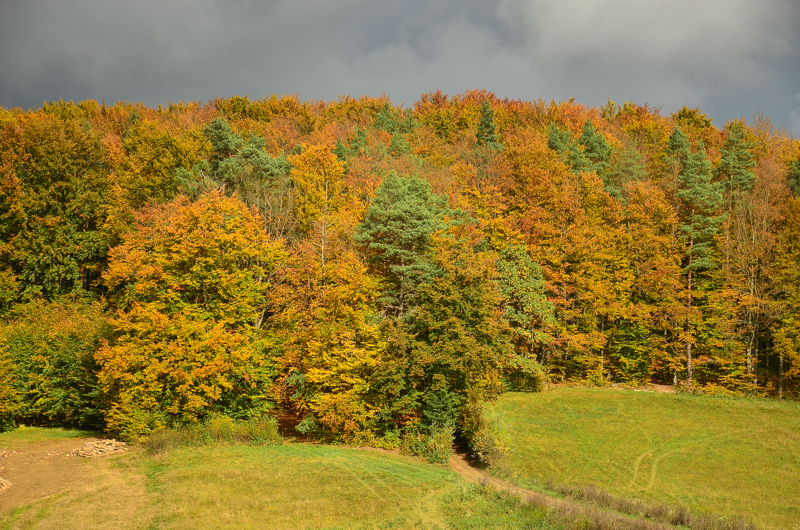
point(4, 484)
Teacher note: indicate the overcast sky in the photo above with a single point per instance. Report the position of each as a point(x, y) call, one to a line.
point(729, 57)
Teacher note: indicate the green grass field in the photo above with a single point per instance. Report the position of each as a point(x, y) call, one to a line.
point(723, 456)
point(290, 486)
point(31, 435)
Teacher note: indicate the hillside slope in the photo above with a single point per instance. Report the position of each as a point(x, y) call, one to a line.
point(713, 455)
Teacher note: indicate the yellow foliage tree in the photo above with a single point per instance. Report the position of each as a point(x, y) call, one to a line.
point(318, 175)
point(191, 285)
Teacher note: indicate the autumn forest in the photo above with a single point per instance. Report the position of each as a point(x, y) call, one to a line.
point(379, 271)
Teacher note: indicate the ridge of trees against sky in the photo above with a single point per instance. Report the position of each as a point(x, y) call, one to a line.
point(377, 269)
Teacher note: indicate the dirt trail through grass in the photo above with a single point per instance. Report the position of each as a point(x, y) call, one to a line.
point(565, 507)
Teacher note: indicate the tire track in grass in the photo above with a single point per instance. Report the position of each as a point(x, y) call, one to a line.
point(704, 441)
point(423, 508)
point(636, 468)
point(566, 507)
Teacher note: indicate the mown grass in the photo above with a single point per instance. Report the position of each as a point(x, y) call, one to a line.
point(29, 435)
point(712, 455)
point(293, 486)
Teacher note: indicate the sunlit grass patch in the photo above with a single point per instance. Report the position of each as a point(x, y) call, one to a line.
point(300, 486)
point(28, 435)
point(721, 456)
point(291, 486)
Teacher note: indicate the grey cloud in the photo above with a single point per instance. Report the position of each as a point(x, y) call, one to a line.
point(730, 58)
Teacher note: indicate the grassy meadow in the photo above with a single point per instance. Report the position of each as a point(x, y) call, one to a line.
point(23, 435)
point(290, 486)
point(724, 456)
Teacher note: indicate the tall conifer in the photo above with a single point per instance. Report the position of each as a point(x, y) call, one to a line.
point(794, 176)
point(736, 166)
point(700, 201)
point(487, 135)
point(396, 236)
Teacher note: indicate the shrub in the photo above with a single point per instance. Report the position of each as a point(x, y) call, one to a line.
point(48, 349)
point(9, 400)
point(436, 445)
point(216, 430)
point(487, 437)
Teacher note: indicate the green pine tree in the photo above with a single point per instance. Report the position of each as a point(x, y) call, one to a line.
point(793, 176)
point(736, 166)
point(224, 142)
point(487, 135)
point(396, 234)
point(568, 151)
point(596, 149)
point(679, 150)
point(590, 152)
point(700, 200)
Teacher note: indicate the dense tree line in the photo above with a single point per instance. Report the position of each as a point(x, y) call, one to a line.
point(382, 271)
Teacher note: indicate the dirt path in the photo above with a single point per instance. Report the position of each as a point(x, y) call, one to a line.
point(38, 470)
point(600, 517)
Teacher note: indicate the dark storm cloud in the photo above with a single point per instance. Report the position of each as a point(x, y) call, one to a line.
point(729, 57)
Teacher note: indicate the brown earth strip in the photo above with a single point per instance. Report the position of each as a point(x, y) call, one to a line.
point(36, 471)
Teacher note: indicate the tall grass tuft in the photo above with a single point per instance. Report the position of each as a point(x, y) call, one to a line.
point(664, 513)
point(216, 430)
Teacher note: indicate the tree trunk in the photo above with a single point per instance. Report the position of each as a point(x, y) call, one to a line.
point(750, 346)
point(688, 330)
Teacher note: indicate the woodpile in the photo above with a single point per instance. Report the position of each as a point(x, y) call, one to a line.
point(98, 447)
point(4, 484)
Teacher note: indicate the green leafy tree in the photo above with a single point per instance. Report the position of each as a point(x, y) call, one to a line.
point(9, 398)
point(453, 348)
point(54, 187)
point(49, 350)
point(793, 176)
point(787, 328)
point(528, 312)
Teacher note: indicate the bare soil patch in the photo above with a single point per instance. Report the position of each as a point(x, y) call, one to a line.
point(35, 471)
